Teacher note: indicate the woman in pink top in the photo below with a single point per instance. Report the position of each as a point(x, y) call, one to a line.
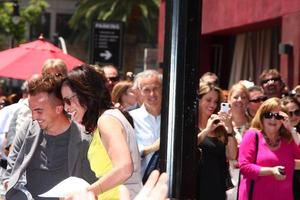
point(278, 145)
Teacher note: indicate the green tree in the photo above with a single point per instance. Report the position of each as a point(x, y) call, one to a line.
point(140, 14)
point(28, 15)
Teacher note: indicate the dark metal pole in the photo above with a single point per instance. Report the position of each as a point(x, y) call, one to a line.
point(179, 110)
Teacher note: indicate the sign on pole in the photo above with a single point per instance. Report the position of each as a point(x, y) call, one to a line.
point(106, 43)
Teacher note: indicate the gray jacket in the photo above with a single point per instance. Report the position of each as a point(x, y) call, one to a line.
point(24, 147)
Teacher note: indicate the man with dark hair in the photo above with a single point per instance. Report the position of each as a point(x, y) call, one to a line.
point(271, 83)
point(112, 76)
point(256, 98)
point(50, 148)
point(54, 67)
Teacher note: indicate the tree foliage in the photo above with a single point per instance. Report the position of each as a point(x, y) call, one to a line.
point(144, 12)
point(28, 15)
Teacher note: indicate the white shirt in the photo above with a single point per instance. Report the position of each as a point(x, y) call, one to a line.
point(6, 114)
point(147, 130)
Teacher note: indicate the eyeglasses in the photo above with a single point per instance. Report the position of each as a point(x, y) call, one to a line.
point(295, 112)
point(114, 79)
point(258, 99)
point(271, 79)
point(269, 115)
point(67, 100)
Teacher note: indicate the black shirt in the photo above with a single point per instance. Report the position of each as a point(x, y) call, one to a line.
point(49, 164)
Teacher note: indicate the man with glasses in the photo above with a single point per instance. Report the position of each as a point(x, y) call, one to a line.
point(147, 117)
point(50, 148)
point(271, 83)
point(256, 98)
point(112, 76)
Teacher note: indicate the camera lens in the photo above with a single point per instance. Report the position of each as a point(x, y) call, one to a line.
point(216, 121)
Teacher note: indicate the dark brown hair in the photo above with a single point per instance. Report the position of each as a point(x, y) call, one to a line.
point(90, 88)
point(48, 84)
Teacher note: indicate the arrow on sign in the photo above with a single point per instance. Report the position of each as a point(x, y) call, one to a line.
point(106, 55)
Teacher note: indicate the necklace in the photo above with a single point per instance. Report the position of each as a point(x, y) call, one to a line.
point(270, 142)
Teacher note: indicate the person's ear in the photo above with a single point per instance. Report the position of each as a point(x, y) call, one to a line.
point(59, 109)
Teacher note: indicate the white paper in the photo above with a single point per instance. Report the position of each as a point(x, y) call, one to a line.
point(67, 186)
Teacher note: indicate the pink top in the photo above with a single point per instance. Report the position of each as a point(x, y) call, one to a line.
point(266, 187)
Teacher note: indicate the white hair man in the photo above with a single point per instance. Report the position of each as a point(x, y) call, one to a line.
point(147, 117)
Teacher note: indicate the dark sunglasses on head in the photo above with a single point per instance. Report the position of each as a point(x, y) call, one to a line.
point(258, 99)
point(114, 79)
point(271, 79)
point(269, 115)
point(67, 100)
point(295, 112)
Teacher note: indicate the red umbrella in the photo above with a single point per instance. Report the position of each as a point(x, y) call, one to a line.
point(27, 59)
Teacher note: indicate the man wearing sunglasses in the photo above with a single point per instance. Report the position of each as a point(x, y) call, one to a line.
point(50, 148)
point(272, 83)
point(112, 76)
point(256, 98)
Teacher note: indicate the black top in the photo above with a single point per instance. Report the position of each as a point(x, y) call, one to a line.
point(49, 164)
point(212, 169)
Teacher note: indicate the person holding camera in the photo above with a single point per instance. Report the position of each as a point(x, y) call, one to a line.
point(267, 154)
point(217, 144)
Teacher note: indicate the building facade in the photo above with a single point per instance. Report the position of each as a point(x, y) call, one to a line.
point(241, 38)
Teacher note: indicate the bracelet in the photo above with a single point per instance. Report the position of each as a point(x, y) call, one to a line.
point(230, 135)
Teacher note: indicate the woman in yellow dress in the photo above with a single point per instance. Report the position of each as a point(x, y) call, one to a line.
point(113, 152)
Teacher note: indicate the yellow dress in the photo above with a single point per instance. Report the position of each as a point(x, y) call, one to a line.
point(101, 164)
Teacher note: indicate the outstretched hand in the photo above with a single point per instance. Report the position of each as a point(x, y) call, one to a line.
point(156, 187)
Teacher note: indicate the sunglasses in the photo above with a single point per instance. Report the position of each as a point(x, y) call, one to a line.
point(269, 115)
point(67, 100)
point(258, 99)
point(271, 79)
point(114, 79)
point(295, 112)
point(294, 94)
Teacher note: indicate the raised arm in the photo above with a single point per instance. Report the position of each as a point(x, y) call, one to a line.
point(210, 126)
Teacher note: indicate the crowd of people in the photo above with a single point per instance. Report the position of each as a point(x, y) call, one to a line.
point(91, 123)
point(251, 151)
point(66, 124)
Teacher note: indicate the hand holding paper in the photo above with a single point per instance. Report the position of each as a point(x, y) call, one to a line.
point(67, 186)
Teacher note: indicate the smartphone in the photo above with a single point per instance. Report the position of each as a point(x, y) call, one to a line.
point(225, 107)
